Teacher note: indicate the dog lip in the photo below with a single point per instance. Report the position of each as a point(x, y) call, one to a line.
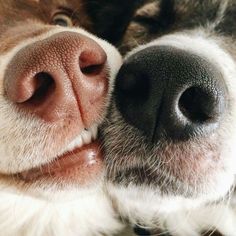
point(83, 165)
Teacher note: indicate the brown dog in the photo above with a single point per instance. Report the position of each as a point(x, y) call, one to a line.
point(55, 81)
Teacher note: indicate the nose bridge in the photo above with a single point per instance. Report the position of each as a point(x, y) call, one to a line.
point(62, 50)
point(54, 53)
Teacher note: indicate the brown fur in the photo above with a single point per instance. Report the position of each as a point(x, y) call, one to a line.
point(15, 28)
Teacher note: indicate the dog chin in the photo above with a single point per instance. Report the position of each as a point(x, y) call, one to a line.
point(148, 207)
point(145, 207)
point(151, 202)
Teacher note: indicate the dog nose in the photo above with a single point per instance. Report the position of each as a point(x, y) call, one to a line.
point(58, 77)
point(170, 93)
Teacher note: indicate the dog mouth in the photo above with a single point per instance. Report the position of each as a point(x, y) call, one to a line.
point(190, 169)
point(81, 162)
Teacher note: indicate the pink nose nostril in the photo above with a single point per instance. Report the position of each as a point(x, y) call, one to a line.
point(92, 64)
point(43, 84)
point(61, 76)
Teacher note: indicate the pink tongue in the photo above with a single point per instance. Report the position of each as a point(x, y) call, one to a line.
point(82, 165)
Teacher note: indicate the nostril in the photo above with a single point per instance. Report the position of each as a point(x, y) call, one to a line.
point(92, 70)
point(92, 64)
point(43, 84)
point(197, 105)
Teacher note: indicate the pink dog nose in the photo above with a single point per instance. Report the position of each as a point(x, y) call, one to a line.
point(58, 77)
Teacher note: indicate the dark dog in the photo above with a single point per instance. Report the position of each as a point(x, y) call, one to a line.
point(54, 90)
point(170, 137)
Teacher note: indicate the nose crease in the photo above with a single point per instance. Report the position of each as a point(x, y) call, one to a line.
point(74, 90)
point(157, 121)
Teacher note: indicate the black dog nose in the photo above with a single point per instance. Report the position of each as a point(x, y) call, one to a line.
point(170, 93)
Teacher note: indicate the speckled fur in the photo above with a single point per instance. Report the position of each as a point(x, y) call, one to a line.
point(152, 185)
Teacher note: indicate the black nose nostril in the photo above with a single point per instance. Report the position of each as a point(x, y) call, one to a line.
point(42, 85)
point(196, 105)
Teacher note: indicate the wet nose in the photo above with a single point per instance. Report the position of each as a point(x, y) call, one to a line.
point(170, 93)
point(58, 77)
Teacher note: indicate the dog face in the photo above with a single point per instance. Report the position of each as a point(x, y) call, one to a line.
point(55, 82)
point(170, 134)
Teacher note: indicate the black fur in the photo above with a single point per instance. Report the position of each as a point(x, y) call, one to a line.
point(112, 17)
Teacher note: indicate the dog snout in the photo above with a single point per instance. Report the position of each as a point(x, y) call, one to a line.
point(170, 93)
point(61, 76)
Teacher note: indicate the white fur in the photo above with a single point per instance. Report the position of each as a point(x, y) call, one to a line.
point(176, 215)
point(71, 212)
